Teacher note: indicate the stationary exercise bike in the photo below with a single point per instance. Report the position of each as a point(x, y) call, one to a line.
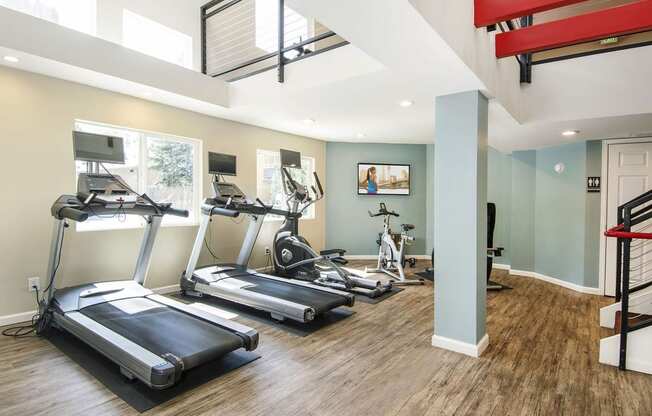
point(294, 257)
point(391, 257)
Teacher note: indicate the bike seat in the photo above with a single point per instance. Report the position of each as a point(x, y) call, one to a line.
point(337, 251)
point(407, 227)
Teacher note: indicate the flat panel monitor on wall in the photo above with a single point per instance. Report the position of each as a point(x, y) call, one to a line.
point(290, 159)
point(221, 164)
point(98, 148)
point(383, 179)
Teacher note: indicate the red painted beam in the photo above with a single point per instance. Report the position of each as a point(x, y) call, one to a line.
point(615, 21)
point(489, 12)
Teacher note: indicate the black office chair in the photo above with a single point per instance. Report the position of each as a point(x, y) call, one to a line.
point(491, 250)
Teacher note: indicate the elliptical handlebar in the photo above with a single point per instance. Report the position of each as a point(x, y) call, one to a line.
point(290, 181)
point(318, 182)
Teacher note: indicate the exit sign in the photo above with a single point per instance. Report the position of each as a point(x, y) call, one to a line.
point(609, 41)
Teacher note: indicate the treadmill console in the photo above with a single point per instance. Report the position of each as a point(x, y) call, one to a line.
point(108, 187)
point(228, 190)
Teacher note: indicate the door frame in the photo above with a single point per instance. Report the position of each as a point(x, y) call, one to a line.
point(603, 202)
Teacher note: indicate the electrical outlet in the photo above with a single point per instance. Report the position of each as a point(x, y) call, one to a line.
point(33, 282)
point(268, 251)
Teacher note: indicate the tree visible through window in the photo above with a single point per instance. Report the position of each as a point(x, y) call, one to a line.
point(165, 167)
point(269, 179)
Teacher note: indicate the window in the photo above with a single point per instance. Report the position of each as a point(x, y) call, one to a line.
point(270, 185)
point(75, 14)
point(296, 26)
point(166, 168)
point(154, 39)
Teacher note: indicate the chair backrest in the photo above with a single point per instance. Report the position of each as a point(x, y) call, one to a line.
point(491, 223)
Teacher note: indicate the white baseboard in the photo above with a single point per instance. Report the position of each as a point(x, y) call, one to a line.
point(166, 289)
point(502, 266)
point(558, 282)
point(375, 256)
point(461, 347)
point(16, 318)
point(27, 316)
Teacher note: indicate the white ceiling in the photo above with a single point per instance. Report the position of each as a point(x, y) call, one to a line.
point(355, 90)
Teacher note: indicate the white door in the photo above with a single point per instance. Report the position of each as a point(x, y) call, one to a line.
point(629, 175)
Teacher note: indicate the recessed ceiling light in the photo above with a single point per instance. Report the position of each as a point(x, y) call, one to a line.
point(570, 133)
point(361, 136)
point(406, 103)
point(309, 121)
point(12, 59)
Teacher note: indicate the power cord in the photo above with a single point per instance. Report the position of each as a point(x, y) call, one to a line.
point(38, 322)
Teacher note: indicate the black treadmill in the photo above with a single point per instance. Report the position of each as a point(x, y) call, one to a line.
point(283, 298)
point(151, 337)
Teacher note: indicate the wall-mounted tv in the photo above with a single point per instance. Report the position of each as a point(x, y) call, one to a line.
point(383, 179)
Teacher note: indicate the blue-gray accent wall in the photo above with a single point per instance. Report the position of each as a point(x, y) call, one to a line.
point(560, 207)
point(523, 193)
point(546, 222)
point(348, 225)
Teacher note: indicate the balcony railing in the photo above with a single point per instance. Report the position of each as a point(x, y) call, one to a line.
point(242, 38)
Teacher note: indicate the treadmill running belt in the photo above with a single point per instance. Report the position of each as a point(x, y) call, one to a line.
point(164, 330)
point(319, 300)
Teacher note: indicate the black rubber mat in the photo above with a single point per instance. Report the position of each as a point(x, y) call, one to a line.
point(426, 275)
point(297, 328)
point(135, 393)
point(384, 296)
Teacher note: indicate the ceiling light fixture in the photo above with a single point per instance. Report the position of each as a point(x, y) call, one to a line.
point(361, 136)
point(11, 59)
point(309, 121)
point(570, 133)
point(147, 94)
point(406, 103)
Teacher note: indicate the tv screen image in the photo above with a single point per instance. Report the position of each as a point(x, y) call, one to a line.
point(383, 179)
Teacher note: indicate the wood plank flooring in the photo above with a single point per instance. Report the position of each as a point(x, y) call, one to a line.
point(542, 360)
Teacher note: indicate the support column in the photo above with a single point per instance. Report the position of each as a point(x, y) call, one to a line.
point(460, 237)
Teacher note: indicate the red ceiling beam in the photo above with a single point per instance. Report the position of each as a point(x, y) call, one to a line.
point(615, 21)
point(489, 12)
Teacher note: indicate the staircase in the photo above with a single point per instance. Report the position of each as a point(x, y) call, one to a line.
point(631, 315)
point(543, 31)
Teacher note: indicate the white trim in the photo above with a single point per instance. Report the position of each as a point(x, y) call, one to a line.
point(17, 318)
point(461, 347)
point(603, 217)
point(27, 316)
point(166, 289)
point(375, 256)
point(502, 266)
point(603, 203)
point(558, 282)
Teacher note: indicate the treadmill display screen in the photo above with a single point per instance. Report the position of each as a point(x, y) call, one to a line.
point(98, 148)
point(221, 164)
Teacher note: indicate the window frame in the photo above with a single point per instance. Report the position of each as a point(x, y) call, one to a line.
point(260, 170)
point(197, 183)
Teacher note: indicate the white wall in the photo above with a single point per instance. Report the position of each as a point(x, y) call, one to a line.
point(182, 16)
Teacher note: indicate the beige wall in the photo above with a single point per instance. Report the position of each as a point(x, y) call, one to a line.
point(36, 164)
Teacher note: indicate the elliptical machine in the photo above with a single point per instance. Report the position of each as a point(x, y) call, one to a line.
point(392, 259)
point(294, 257)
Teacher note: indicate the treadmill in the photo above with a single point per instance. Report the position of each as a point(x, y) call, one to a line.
point(152, 338)
point(283, 298)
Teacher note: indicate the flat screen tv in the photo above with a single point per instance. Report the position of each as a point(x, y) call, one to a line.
point(383, 179)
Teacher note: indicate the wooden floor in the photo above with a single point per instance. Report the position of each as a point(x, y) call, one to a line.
point(542, 360)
